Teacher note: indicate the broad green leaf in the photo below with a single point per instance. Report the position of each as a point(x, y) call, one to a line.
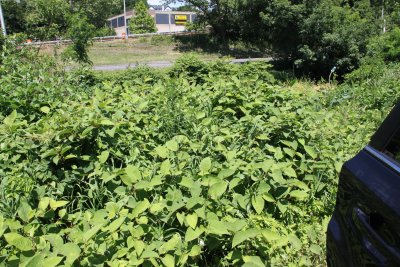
point(270, 235)
point(91, 232)
point(20, 242)
point(171, 244)
point(289, 171)
point(52, 261)
point(200, 115)
point(71, 251)
point(277, 176)
point(242, 236)
point(191, 220)
point(103, 156)
point(193, 234)
point(298, 194)
point(2, 225)
point(165, 168)
point(57, 204)
point(338, 166)
point(205, 166)
point(43, 203)
point(9, 120)
point(282, 207)
point(111, 132)
point(157, 208)
point(217, 227)
point(172, 145)
point(267, 164)
point(187, 182)
point(252, 261)
point(140, 207)
point(236, 225)
point(195, 251)
point(268, 197)
point(162, 152)
point(107, 122)
point(132, 175)
point(45, 109)
point(139, 246)
point(116, 224)
point(218, 189)
point(258, 203)
point(168, 260)
point(55, 240)
point(35, 261)
point(295, 241)
point(180, 217)
point(25, 211)
point(316, 249)
point(225, 173)
point(310, 151)
point(147, 254)
point(301, 185)
point(234, 182)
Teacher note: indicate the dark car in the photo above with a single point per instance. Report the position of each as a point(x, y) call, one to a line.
point(365, 226)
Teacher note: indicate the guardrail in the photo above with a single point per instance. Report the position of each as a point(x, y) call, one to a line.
point(109, 38)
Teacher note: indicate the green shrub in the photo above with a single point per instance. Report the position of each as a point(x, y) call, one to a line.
point(230, 169)
point(386, 46)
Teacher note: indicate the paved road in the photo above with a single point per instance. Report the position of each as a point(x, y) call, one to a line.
point(165, 64)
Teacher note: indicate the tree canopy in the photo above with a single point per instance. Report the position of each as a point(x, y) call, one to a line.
point(142, 22)
point(311, 35)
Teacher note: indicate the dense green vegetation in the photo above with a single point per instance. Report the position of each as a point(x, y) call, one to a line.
point(310, 36)
point(201, 165)
point(49, 19)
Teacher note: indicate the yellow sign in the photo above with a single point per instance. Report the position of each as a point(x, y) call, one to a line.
point(181, 17)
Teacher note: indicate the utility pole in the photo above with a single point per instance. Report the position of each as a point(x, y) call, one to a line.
point(383, 17)
point(126, 26)
point(3, 25)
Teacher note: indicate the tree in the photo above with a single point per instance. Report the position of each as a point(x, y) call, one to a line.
point(333, 36)
point(46, 19)
point(14, 15)
point(142, 22)
point(80, 31)
point(97, 11)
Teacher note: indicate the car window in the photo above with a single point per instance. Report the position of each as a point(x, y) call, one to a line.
point(393, 148)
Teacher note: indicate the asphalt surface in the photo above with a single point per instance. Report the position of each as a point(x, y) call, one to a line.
point(164, 64)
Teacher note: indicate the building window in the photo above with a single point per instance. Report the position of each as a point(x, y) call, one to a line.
point(114, 23)
point(121, 21)
point(162, 19)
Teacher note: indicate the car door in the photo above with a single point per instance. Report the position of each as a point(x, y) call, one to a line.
point(365, 227)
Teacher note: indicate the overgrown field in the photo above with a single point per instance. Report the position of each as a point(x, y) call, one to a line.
point(203, 165)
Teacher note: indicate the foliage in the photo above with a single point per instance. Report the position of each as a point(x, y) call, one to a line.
point(46, 19)
point(162, 40)
point(386, 46)
point(332, 36)
point(142, 22)
point(225, 168)
point(80, 31)
point(14, 13)
point(312, 36)
point(97, 11)
point(104, 31)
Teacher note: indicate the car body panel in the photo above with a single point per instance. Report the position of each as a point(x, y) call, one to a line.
point(365, 226)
